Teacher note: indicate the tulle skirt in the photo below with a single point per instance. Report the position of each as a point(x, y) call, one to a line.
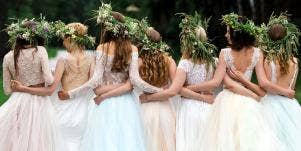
point(237, 123)
point(72, 119)
point(191, 122)
point(159, 125)
point(27, 123)
point(114, 125)
point(284, 116)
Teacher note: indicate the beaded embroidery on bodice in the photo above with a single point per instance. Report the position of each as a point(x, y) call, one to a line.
point(230, 61)
point(195, 73)
point(74, 75)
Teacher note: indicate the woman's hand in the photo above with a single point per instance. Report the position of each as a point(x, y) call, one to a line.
point(63, 95)
point(207, 98)
point(98, 99)
point(236, 75)
point(144, 98)
point(16, 86)
point(290, 93)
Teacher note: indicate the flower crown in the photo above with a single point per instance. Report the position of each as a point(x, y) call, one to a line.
point(285, 47)
point(201, 49)
point(63, 31)
point(104, 15)
point(30, 29)
point(137, 32)
point(232, 20)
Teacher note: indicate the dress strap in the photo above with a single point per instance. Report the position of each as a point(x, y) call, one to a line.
point(294, 77)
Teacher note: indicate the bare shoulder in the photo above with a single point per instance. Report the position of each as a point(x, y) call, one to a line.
point(134, 48)
point(100, 47)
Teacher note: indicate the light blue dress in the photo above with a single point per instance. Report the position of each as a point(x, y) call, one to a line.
point(284, 116)
point(115, 124)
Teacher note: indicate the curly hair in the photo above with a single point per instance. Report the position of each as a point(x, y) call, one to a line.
point(155, 68)
point(278, 32)
point(155, 64)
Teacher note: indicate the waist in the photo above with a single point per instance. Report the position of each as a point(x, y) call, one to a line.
point(37, 85)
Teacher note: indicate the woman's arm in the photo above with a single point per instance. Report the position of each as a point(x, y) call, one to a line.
point(135, 77)
point(268, 85)
point(233, 73)
point(219, 75)
point(7, 77)
point(106, 88)
point(239, 89)
point(127, 87)
point(43, 91)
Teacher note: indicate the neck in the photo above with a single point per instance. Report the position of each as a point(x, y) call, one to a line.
point(76, 52)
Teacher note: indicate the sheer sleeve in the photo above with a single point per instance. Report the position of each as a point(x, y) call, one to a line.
point(96, 79)
point(136, 79)
point(47, 75)
point(6, 77)
point(185, 65)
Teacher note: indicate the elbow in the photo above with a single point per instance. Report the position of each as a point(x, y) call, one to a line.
point(263, 84)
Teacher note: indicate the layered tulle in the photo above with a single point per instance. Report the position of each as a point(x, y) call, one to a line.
point(27, 123)
point(237, 124)
point(159, 125)
point(114, 125)
point(284, 116)
point(191, 120)
point(72, 119)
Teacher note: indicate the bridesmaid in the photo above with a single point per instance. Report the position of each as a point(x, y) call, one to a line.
point(156, 69)
point(27, 122)
point(279, 43)
point(114, 122)
point(71, 114)
point(236, 122)
point(197, 65)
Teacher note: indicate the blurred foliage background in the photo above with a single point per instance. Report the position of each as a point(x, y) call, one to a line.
point(161, 14)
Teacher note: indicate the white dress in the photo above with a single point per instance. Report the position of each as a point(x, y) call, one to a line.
point(159, 117)
point(72, 113)
point(192, 114)
point(27, 122)
point(115, 124)
point(237, 122)
point(284, 115)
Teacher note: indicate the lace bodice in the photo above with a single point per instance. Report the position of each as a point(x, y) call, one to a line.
point(274, 74)
point(195, 73)
point(33, 68)
point(103, 75)
point(74, 75)
point(230, 61)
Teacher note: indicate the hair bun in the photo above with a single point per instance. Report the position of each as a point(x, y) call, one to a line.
point(118, 16)
point(79, 28)
point(201, 33)
point(153, 34)
point(277, 32)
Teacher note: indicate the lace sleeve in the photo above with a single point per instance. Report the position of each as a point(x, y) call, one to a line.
point(95, 80)
point(48, 77)
point(136, 79)
point(6, 77)
point(185, 65)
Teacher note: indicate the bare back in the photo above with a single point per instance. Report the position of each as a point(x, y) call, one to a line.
point(288, 80)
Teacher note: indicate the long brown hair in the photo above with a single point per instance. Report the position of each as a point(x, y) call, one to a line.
point(155, 64)
point(19, 45)
point(278, 32)
point(123, 46)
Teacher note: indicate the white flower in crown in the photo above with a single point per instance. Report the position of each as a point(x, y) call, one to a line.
point(73, 36)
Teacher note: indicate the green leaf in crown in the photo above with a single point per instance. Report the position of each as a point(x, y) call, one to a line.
point(232, 21)
point(285, 47)
point(63, 31)
point(29, 29)
point(200, 48)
